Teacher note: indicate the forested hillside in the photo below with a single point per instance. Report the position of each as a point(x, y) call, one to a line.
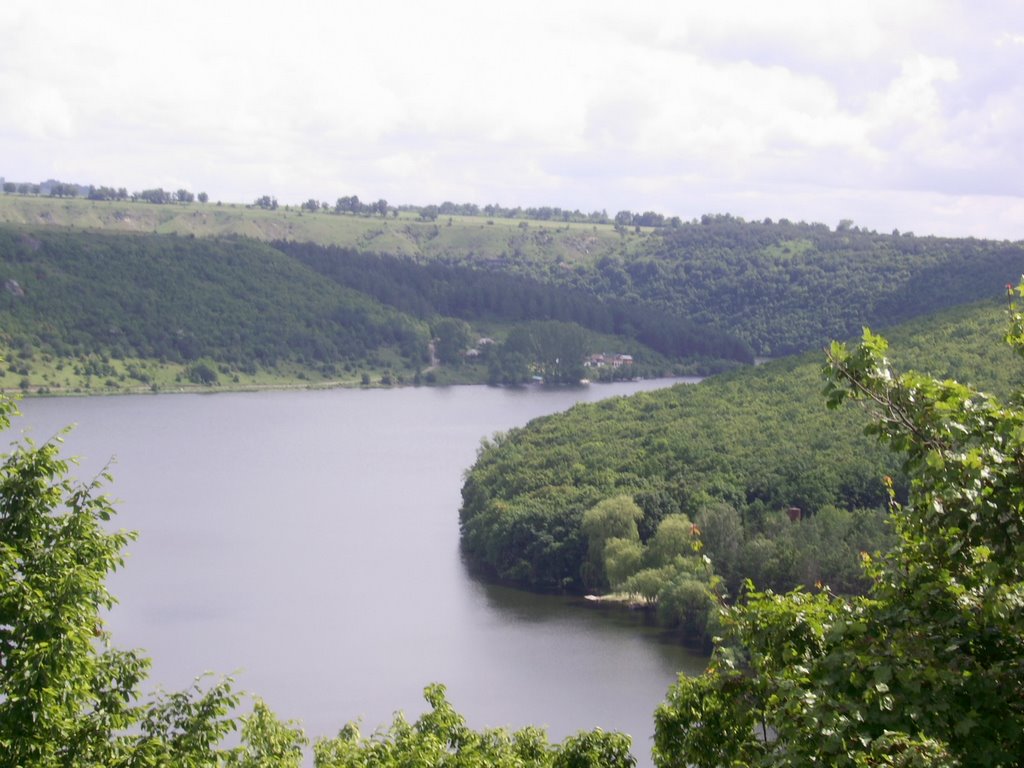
point(110, 307)
point(732, 454)
point(200, 304)
point(780, 286)
point(439, 288)
point(238, 302)
point(785, 287)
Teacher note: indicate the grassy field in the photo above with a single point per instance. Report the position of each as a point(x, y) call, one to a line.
point(472, 237)
point(46, 375)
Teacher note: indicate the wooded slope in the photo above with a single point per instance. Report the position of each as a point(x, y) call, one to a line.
point(758, 440)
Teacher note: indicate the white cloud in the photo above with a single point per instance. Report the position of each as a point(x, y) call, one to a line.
point(677, 107)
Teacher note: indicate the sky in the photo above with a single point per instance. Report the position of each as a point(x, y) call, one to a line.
point(905, 114)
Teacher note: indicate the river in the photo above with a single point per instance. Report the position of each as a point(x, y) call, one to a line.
point(306, 542)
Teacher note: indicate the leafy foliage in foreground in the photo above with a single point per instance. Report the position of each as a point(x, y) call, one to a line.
point(440, 737)
point(67, 697)
point(926, 669)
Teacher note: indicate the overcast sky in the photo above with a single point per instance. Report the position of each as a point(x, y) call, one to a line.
point(896, 114)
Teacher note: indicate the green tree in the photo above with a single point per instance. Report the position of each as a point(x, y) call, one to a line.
point(685, 602)
point(555, 347)
point(452, 340)
point(157, 196)
point(676, 537)
point(440, 737)
point(613, 518)
point(926, 669)
point(56, 658)
point(622, 558)
point(267, 742)
point(202, 373)
point(721, 534)
point(67, 696)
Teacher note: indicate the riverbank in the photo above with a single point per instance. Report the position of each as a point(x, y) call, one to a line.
point(178, 383)
point(621, 599)
point(43, 375)
point(49, 376)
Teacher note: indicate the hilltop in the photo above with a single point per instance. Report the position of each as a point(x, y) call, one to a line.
point(479, 238)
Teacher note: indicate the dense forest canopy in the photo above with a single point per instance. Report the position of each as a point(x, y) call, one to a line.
point(786, 288)
point(732, 454)
point(440, 288)
point(237, 301)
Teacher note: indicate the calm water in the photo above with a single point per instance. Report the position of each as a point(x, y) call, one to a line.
point(308, 543)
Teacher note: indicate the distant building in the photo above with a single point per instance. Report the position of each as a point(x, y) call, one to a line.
point(600, 360)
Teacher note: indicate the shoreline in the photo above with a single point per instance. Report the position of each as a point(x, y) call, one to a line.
point(283, 386)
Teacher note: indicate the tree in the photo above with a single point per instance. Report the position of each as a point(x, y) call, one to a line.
point(158, 196)
point(56, 659)
point(184, 196)
point(202, 373)
point(675, 537)
point(267, 742)
point(613, 518)
point(101, 193)
point(61, 189)
point(348, 205)
point(10, 187)
point(203, 197)
point(925, 670)
point(67, 697)
point(622, 558)
point(721, 534)
point(440, 737)
point(452, 340)
point(555, 347)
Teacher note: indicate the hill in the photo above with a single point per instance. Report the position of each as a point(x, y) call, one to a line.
point(730, 453)
point(476, 238)
point(86, 310)
point(778, 286)
point(87, 298)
